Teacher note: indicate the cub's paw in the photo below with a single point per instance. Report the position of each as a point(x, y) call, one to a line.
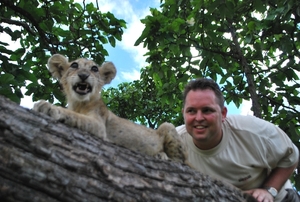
point(161, 155)
point(42, 106)
point(49, 109)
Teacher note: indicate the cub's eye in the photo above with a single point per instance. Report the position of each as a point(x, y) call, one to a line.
point(74, 65)
point(94, 68)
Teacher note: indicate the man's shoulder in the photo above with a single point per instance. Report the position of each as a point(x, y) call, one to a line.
point(249, 125)
point(237, 119)
point(181, 129)
point(240, 116)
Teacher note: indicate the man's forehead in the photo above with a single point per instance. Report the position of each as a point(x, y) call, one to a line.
point(199, 95)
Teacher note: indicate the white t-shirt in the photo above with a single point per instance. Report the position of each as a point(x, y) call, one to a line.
point(250, 148)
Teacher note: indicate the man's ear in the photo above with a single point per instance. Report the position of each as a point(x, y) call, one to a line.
point(58, 65)
point(224, 113)
point(108, 72)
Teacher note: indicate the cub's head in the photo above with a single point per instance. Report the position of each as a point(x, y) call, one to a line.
point(81, 79)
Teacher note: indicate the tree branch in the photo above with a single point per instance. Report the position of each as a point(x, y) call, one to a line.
point(41, 160)
point(26, 15)
point(247, 69)
point(18, 23)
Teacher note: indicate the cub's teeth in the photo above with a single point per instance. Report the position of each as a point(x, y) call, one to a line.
point(82, 88)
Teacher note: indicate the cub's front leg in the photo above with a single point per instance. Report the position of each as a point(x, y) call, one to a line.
point(57, 113)
point(73, 119)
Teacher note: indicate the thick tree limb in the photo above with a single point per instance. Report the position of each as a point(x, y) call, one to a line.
point(247, 69)
point(41, 160)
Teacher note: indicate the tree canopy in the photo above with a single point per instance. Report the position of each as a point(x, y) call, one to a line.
point(42, 28)
point(138, 101)
point(250, 47)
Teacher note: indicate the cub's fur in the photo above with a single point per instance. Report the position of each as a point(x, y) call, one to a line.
point(82, 81)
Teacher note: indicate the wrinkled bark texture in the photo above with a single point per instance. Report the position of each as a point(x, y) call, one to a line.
point(41, 160)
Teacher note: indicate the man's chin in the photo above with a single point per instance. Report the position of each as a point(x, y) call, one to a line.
point(199, 132)
point(200, 137)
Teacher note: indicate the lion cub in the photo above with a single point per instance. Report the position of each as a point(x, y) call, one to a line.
point(82, 81)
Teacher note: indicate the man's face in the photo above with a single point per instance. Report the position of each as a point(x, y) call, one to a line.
point(203, 118)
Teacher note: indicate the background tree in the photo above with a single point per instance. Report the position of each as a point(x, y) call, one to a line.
point(250, 47)
point(138, 101)
point(42, 28)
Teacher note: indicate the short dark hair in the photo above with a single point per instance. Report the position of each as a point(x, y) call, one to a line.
point(203, 84)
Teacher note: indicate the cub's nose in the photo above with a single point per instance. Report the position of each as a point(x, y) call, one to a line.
point(83, 76)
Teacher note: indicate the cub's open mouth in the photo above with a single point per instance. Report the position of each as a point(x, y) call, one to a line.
point(82, 88)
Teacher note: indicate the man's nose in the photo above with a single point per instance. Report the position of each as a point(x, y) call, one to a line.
point(199, 116)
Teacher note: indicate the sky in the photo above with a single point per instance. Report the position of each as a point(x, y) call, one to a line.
point(128, 58)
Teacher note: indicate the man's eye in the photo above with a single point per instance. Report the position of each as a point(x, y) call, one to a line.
point(190, 111)
point(207, 110)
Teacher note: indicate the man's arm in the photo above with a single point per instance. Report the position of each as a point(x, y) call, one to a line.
point(276, 179)
point(279, 176)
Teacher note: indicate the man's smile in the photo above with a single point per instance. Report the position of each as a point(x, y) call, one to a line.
point(200, 127)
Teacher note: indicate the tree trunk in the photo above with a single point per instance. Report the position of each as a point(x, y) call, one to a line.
point(41, 160)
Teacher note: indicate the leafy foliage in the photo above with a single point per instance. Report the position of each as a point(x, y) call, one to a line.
point(42, 28)
point(250, 47)
point(138, 101)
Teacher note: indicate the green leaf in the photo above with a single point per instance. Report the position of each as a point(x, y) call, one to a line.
point(6, 78)
point(259, 6)
point(251, 25)
point(7, 92)
point(91, 8)
point(112, 41)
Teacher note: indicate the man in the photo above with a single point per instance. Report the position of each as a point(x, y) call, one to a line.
point(250, 153)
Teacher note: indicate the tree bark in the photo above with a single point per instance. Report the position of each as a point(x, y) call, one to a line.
point(41, 160)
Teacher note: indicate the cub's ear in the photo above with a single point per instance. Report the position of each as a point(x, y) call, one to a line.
point(58, 65)
point(108, 72)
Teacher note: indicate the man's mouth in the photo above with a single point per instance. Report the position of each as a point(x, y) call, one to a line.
point(200, 127)
point(82, 88)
